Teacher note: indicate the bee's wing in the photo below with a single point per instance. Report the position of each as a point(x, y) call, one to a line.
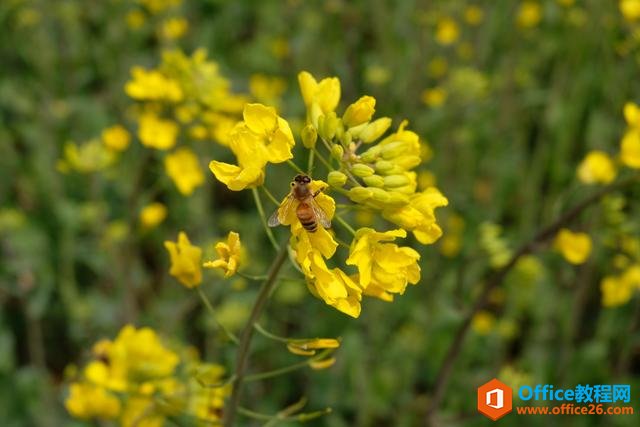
point(281, 212)
point(321, 215)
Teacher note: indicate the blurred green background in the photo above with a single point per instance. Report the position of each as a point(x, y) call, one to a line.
point(510, 97)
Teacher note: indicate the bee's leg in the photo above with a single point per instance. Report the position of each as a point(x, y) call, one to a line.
point(318, 192)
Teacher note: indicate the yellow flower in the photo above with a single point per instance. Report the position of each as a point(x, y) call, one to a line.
point(529, 14)
point(267, 89)
point(152, 215)
point(263, 137)
point(473, 15)
point(384, 268)
point(483, 322)
point(630, 149)
point(229, 253)
point(135, 19)
point(326, 93)
point(153, 86)
point(359, 112)
point(308, 347)
point(574, 247)
point(447, 31)
point(88, 401)
point(116, 138)
point(418, 216)
point(185, 261)
point(157, 133)
point(632, 112)
point(630, 9)
point(174, 28)
point(434, 97)
point(597, 167)
point(141, 411)
point(91, 156)
point(615, 291)
point(183, 168)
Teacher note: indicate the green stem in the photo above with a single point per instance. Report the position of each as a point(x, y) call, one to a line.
point(270, 195)
point(263, 218)
point(310, 162)
point(269, 335)
point(322, 159)
point(276, 372)
point(212, 312)
point(245, 339)
point(294, 166)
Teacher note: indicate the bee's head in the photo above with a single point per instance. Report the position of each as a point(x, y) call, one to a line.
point(302, 179)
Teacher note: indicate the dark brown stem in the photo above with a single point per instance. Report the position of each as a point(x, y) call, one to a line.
point(245, 339)
point(496, 279)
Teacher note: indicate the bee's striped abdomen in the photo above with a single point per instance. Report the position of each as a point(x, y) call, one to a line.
point(307, 218)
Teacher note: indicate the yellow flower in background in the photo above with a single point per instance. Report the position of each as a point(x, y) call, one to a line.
point(473, 15)
point(630, 9)
point(186, 260)
point(89, 157)
point(447, 31)
point(183, 168)
point(173, 28)
point(87, 401)
point(630, 149)
point(615, 291)
point(483, 322)
point(631, 112)
point(135, 19)
point(140, 411)
point(325, 94)
point(263, 137)
point(359, 112)
point(153, 86)
point(529, 14)
point(574, 247)
point(229, 253)
point(384, 268)
point(437, 67)
point(597, 167)
point(152, 215)
point(434, 97)
point(157, 6)
point(157, 133)
point(267, 90)
point(116, 138)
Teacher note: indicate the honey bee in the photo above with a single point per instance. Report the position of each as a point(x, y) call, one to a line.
point(308, 211)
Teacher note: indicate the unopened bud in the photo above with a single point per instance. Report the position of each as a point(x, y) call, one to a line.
point(359, 194)
point(314, 112)
point(309, 136)
point(407, 162)
point(374, 181)
point(337, 151)
point(362, 170)
point(371, 154)
point(336, 179)
point(384, 166)
point(393, 181)
point(397, 199)
point(380, 195)
point(359, 112)
point(327, 125)
point(393, 149)
point(375, 129)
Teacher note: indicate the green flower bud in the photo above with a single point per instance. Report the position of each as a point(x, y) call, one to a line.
point(374, 181)
point(371, 154)
point(380, 195)
point(407, 162)
point(362, 170)
point(359, 112)
point(393, 149)
point(397, 199)
point(328, 125)
point(393, 181)
point(346, 139)
point(375, 129)
point(314, 113)
point(359, 194)
point(309, 136)
point(337, 151)
point(406, 189)
point(336, 179)
point(384, 166)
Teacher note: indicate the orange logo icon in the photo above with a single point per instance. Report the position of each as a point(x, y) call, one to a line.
point(494, 399)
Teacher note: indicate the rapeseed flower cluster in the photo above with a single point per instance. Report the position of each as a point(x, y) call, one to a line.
point(135, 380)
point(374, 171)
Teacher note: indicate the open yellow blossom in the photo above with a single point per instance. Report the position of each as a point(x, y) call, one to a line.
point(418, 216)
point(157, 133)
point(263, 137)
point(152, 215)
point(615, 291)
point(630, 149)
point(152, 85)
point(174, 28)
point(185, 261)
point(91, 156)
point(447, 31)
point(229, 253)
point(630, 9)
point(384, 268)
point(529, 14)
point(574, 247)
point(87, 401)
point(326, 93)
point(183, 168)
point(116, 138)
point(597, 167)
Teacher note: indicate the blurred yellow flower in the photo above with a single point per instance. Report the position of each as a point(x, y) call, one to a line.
point(631, 112)
point(116, 138)
point(434, 97)
point(529, 14)
point(384, 268)
point(263, 137)
point(325, 94)
point(185, 261)
point(87, 401)
point(267, 90)
point(229, 253)
point(91, 156)
point(157, 6)
point(597, 167)
point(447, 31)
point(152, 215)
point(152, 85)
point(157, 133)
point(183, 168)
point(377, 74)
point(437, 67)
point(483, 322)
point(473, 15)
point(574, 247)
point(630, 149)
point(173, 28)
point(630, 9)
point(618, 290)
point(135, 19)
